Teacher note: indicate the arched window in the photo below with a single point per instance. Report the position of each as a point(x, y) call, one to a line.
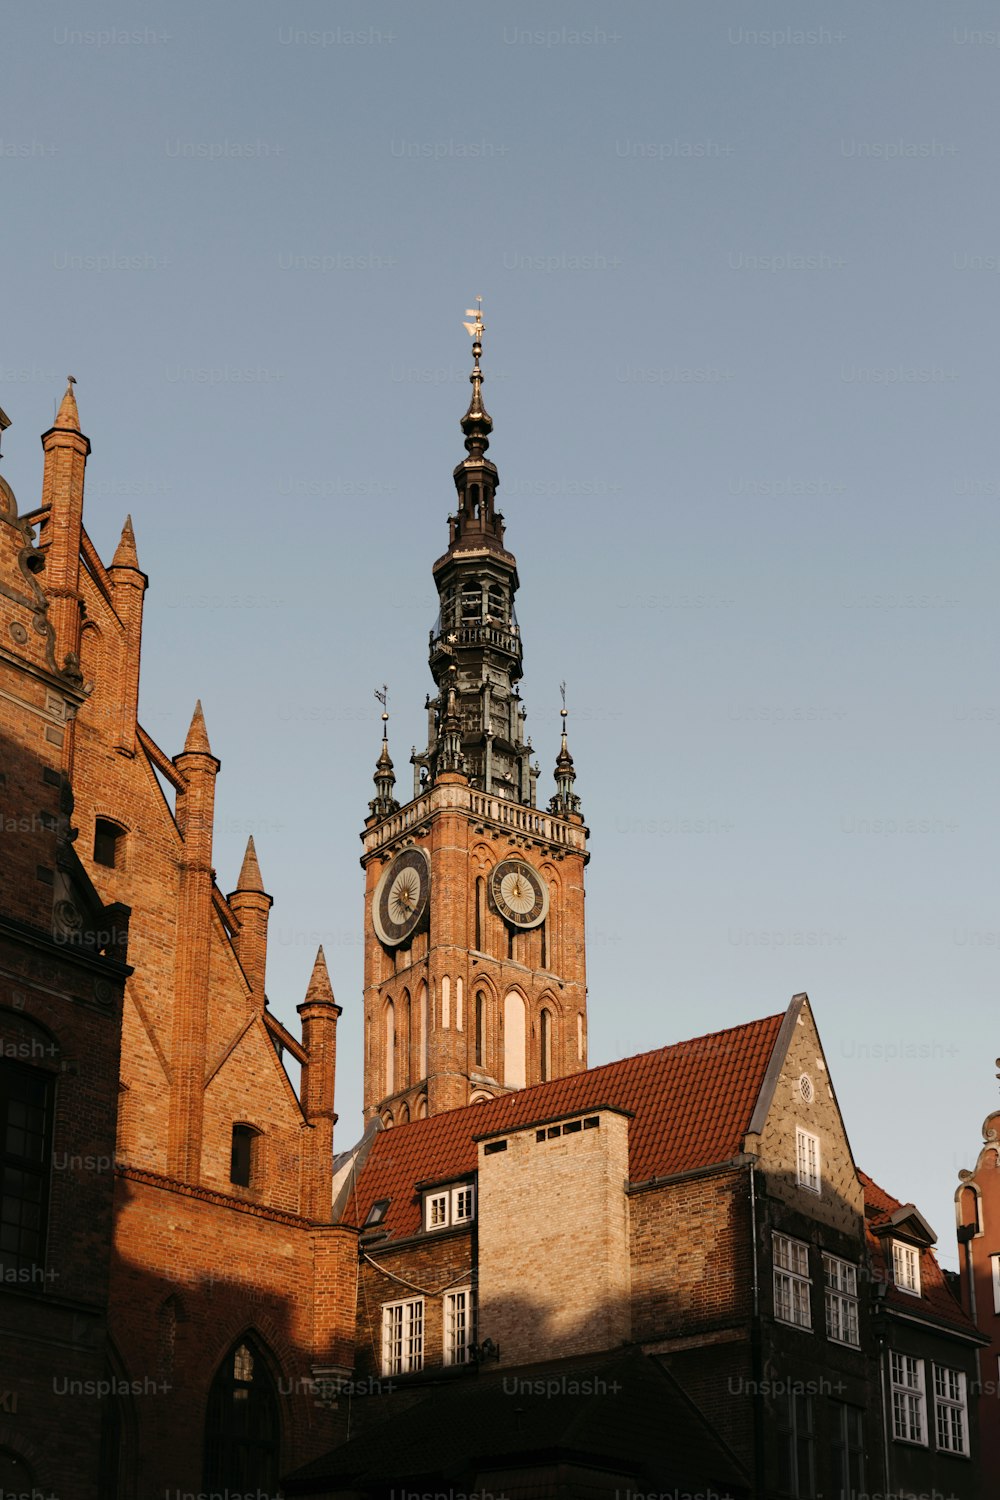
point(109, 846)
point(422, 1009)
point(244, 1160)
point(513, 1041)
point(545, 1041)
point(404, 1022)
point(480, 1028)
point(445, 1001)
point(459, 1005)
point(390, 1049)
point(242, 1431)
point(480, 906)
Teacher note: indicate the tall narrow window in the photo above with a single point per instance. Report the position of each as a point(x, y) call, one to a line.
point(796, 1452)
point(390, 1049)
point(545, 1039)
point(108, 844)
point(403, 1337)
point(242, 1438)
point(545, 945)
point(480, 1028)
point(841, 1300)
point(459, 1003)
point(514, 1041)
point(422, 1004)
point(480, 903)
point(242, 1156)
point(908, 1398)
point(951, 1411)
point(848, 1450)
point(404, 1023)
point(791, 1282)
point(446, 1002)
point(459, 1325)
point(26, 1142)
point(807, 1160)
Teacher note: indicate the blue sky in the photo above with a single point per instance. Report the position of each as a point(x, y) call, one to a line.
point(739, 268)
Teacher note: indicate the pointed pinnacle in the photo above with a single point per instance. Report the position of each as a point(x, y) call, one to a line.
point(320, 987)
point(250, 877)
point(197, 735)
point(125, 553)
point(68, 417)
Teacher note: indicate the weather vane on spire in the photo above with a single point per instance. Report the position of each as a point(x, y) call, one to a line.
point(383, 698)
point(477, 329)
point(562, 693)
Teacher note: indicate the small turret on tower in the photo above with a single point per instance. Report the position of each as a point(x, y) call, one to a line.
point(66, 451)
point(195, 810)
point(319, 1013)
point(252, 905)
point(384, 802)
point(565, 803)
point(130, 585)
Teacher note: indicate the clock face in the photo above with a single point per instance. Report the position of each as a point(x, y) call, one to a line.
point(519, 893)
point(401, 896)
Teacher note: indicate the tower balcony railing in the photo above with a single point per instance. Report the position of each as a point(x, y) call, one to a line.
point(526, 820)
point(480, 634)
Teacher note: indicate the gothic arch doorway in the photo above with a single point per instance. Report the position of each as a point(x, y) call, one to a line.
point(243, 1427)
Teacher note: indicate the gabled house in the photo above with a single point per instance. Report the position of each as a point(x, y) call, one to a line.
point(928, 1354)
point(698, 1205)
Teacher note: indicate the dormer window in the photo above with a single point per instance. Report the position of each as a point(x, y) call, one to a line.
point(448, 1207)
point(906, 1267)
point(376, 1213)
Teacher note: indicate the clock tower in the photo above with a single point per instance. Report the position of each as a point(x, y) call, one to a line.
point(475, 978)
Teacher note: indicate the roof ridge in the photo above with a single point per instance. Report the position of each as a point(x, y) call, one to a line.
point(614, 1062)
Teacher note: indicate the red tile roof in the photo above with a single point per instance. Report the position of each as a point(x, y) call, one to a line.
point(692, 1104)
point(935, 1297)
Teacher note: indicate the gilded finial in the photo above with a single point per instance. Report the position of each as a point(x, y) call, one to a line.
point(477, 424)
point(384, 801)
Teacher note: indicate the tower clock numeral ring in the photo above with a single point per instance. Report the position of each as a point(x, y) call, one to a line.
point(518, 893)
point(401, 897)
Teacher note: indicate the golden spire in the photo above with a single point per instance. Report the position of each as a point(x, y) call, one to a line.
point(477, 424)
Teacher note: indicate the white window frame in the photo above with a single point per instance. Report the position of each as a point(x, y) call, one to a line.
point(445, 1208)
point(909, 1398)
point(995, 1268)
point(841, 1279)
point(792, 1282)
point(459, 1325)
point(906, 1267)
point(403, 1336)
point(808, 1172)
point(951, 1410)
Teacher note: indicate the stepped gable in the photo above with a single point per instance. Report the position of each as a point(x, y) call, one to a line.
point(935, 1299)
point(692, 1104)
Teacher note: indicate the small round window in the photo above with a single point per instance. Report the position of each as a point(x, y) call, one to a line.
point(806, 1088)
